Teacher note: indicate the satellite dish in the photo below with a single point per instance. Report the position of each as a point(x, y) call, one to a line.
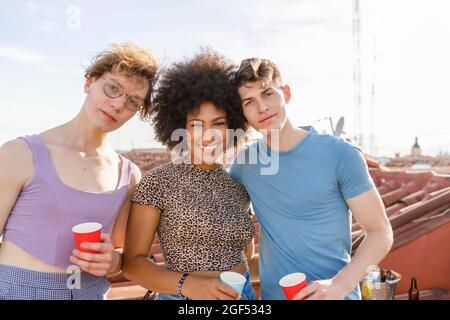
point(339, 127)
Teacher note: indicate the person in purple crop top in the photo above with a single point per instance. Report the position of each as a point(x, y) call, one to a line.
point(70, 174)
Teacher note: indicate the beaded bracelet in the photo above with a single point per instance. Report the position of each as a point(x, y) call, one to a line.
point(180, 284)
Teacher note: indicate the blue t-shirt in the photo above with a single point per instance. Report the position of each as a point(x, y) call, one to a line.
point(300, 203)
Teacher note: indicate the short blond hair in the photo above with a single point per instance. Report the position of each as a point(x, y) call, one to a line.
point(129, 60)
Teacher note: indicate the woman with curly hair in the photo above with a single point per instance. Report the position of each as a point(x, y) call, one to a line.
point(201, 215)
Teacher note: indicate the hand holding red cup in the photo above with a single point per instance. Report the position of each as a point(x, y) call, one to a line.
point(94, 251)
point(87, 232)
point(292, 284)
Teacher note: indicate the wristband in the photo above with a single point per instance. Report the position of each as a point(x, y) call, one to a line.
point(180, 284)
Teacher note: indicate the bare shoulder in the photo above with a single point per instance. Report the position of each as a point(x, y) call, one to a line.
point(135, 174)
point(16, 160)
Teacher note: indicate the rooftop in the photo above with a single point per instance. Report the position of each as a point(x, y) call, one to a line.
point(418, 206)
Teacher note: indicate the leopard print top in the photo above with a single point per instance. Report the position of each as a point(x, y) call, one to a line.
point(205, 216)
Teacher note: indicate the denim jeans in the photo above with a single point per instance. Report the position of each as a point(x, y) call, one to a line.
point(247, 293)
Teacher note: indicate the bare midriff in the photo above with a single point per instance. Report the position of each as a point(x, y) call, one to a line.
point(12, 255)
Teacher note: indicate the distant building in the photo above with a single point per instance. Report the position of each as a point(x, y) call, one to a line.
point(147, 159)
point(418, 162)
point(415, 150)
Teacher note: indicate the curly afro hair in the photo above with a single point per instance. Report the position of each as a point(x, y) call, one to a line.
point(184, 86)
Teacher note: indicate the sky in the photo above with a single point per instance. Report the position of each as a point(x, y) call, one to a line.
point(46, 45)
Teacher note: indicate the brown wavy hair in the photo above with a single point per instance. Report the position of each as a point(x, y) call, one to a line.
point(258, 69)
point(129, 60)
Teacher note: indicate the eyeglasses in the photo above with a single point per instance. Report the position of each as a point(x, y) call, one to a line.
point(114, 90)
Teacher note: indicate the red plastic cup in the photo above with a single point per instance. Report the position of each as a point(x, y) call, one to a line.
point(87, 232)
point(292, 284)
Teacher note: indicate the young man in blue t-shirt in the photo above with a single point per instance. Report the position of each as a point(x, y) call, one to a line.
point(302, 185)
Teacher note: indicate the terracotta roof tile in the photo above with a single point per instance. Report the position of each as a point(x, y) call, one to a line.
point(406, 195)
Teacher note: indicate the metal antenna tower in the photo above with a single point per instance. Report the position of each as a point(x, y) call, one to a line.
point(359, 136)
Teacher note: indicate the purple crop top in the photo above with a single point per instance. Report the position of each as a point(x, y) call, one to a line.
point(46, 209)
